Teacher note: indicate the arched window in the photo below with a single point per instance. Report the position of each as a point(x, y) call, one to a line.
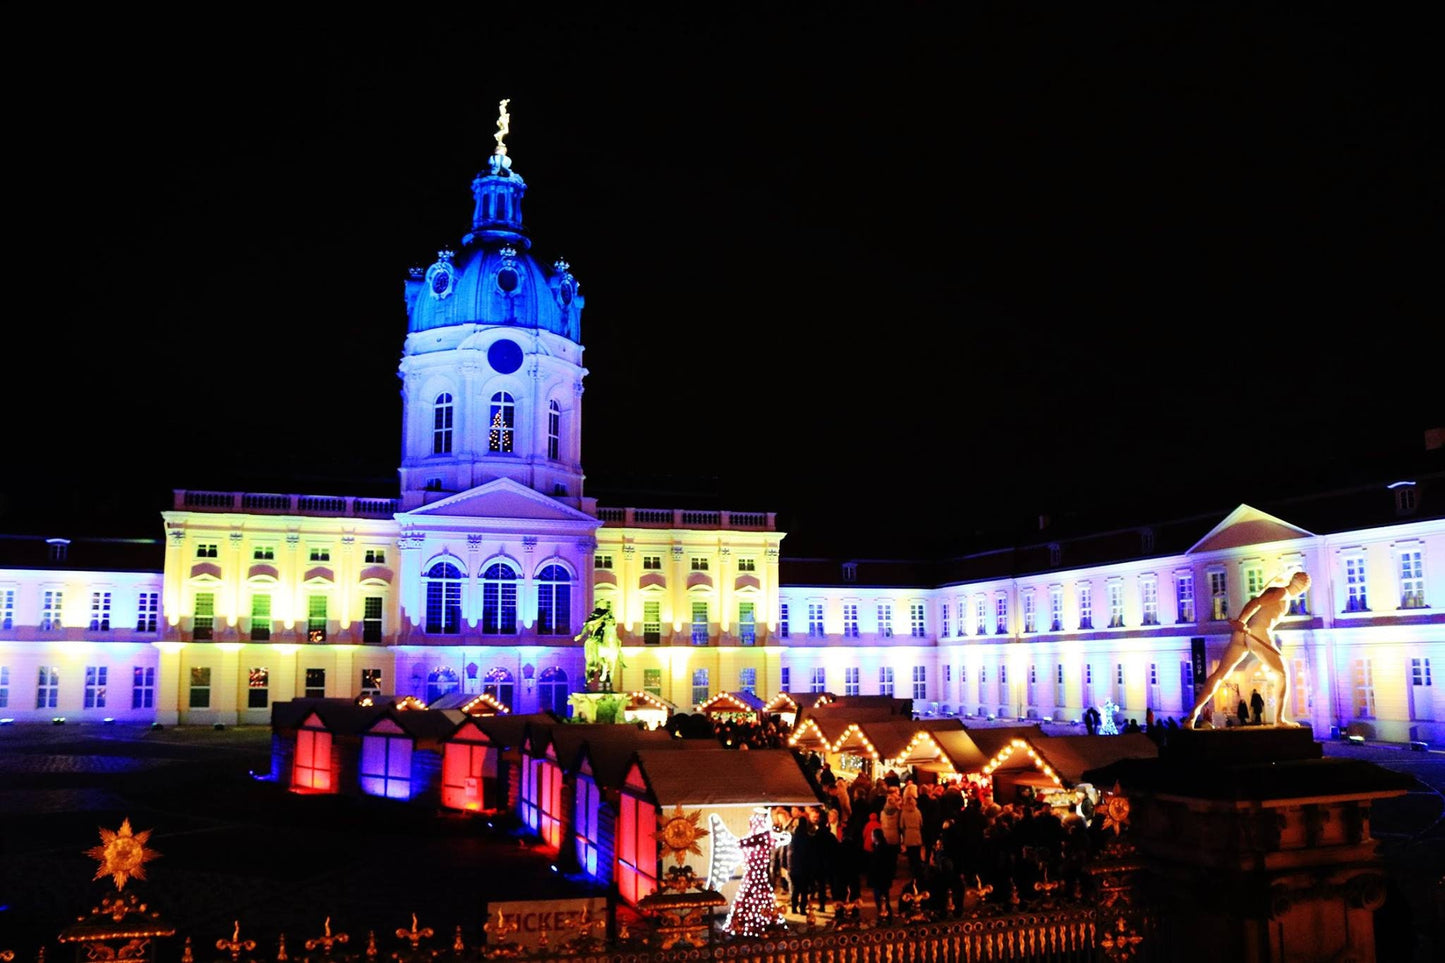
point(554, 429)
point(444, 599)
point(552, 692)
point(499, 600)
point(439, 682)
point(502, 420)
point(554, 601)
point(498, 685)
point(441, 425)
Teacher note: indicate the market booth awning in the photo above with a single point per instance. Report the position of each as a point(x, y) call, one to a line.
point(733, 704)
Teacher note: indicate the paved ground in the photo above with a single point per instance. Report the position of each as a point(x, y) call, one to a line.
point(235, 849)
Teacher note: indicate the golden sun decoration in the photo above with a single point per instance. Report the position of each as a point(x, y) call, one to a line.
point(122, 854)
point(679, 833)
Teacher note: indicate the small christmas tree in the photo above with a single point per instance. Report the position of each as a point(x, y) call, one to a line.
point(755, 908)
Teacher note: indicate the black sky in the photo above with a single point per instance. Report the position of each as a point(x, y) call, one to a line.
point(870, 267)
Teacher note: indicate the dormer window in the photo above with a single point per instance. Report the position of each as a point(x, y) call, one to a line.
point(58, 549)
point(850, 571)
point(1405, 497)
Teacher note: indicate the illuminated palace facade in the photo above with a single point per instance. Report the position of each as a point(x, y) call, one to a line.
point(479, 575)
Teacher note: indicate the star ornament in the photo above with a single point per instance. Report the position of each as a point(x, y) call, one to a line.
point(1116, 811)
point(678, 834)
point(122, 854)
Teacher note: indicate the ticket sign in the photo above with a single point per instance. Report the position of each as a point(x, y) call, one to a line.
point(522, 922)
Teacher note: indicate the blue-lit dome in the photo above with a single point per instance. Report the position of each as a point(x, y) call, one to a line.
point(493, 278)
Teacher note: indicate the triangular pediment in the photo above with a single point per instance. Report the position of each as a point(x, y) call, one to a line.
point(501, 498)
point(1247, 526)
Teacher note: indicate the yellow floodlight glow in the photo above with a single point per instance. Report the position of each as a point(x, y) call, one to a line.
point(228, 646)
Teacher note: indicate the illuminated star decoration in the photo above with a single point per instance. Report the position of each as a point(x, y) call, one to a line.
point(679, 833)
point(122, 854)
point(1116, 810)
point(727, 855)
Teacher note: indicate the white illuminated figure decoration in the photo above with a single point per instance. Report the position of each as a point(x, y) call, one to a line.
point(727, 855)
point(504, 126)
point(754, 909)
point(1107, 725)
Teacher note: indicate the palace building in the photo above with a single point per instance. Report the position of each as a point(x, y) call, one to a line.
point(478, 575)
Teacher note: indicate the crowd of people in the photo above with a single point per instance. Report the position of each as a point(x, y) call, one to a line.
point(920, 850)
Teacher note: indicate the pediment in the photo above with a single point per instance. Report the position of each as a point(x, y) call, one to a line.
point(1247, 526)
point(385, 727)
point(501, 498)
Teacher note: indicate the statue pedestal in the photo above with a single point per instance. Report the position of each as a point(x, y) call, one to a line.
point(585, 706)
point(1255, 846)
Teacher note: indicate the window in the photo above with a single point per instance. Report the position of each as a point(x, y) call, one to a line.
point(371, 619)
point(1186, 681)
point(499, 600)
point(747, 623)
point(962, 618)
point(1253, 580)
point(375, 556)
point(602, 562)
point(258, 688)
point(783, 620)
point(95, 676)
point(4, 686)
point(982, 684)
point(204, 622)
point(316, 617)
point(207, 550)
point(850, 620)
point(1422, 706)
point(1184, 596)
point(143, 687)
point(651, 623)
point(263, 553)
point(980, 620)
point(850, 681)
point(1031, 617)
point(443, 599)
point(637, 863)
point(1056, 608)
point(815, 620)
point(312, 768)
point(885, 680)
point(499, 684)
point(501, 422)
point(699, 623)
point(1059, 696)
point(1116, 604)
point(1355, 597)
point(552, 692)
point(1298, 604)
point(1149, 594)
point(700, 686)
point(1000, 614)
point(260, 617)
point(47, 687)
point(554, 429)
point(1120, 691)
point(100, 611)
point(652, 682)
point(7, 609)
point(916, 624)
point(320, 553)
point(442, 680)
point(1412, 580)
point(885, 620)
point(1364, 690)
point(920, 682)
point(148, 607)
point(748, 680)
point(850, 571)
point(785, 677)
point(315, 684)
point(200, 687)
point(441, 425)
point(1405, 499)
point(747, 565)
point(1420, 672)
point(943, 620)
point(1004, 697)
point(1218, 596)
point(820, 680)
point(385, 766)
point(698, 563)
point(371, 682)
point(554, 601)
point(50, 617)
point(1086, 606)
point(652, 563)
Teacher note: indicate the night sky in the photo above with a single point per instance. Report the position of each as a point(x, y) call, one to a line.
point(874, 268)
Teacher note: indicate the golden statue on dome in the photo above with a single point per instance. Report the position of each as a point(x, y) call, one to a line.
point(504, 126)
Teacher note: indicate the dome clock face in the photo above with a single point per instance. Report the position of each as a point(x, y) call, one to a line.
point(507, 280)
point(504, 356)
point(441, 282)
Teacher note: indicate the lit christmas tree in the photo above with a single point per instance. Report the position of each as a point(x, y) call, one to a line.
point(755, 908)
point(1107, 726)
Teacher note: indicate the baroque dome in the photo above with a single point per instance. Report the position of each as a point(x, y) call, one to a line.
point(493, 278)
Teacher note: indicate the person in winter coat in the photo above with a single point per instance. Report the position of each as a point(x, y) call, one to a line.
point(873, 823)
point(910, 831)
point(889, 820)
point(801, 861)
point(882, 866)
